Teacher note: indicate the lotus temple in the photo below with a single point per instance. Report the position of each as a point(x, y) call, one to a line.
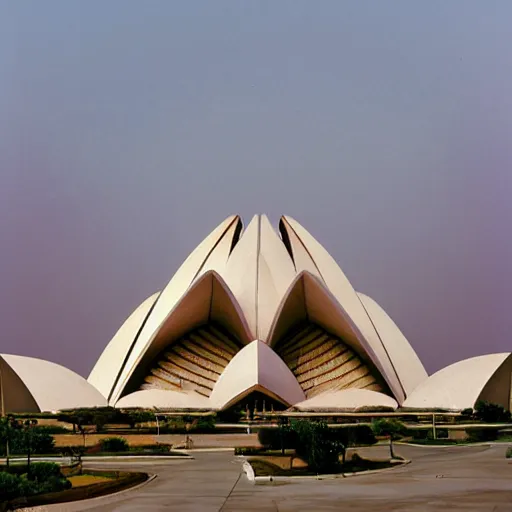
point(257, 314)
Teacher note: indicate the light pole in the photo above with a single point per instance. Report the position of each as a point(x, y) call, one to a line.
point(157, 426)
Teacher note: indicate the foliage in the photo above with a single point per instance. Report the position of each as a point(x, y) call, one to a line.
point(137, 417)
point(488, 412)
point(467, 413)
point(39, 440)
point(476, 435)
point(391, 428)
point(52, 429)
point(316, 445)
point(354, 435)
point(114, 444)
point(43, 477)
point(152, 448)
point(508, 453)
point(278, 438)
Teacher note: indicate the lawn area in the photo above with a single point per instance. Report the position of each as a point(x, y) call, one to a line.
point(81, 480)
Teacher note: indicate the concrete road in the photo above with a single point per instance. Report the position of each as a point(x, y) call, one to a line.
point(438, 479)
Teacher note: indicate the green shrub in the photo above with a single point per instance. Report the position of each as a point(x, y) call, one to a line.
point(277, 438)
point(475, 435)
point(52, 429)
point(354, 435)
point(9, 486)
point(114, 444)
point(468, 412)
point(40, 441)
point(488, 412)
point(42, 478)
point(249, 450)
point(47, 477)
point(316, 445)
point(508, 453)
point(41, 471)
point(153, 448)
point(205, 424)
point(134, 418)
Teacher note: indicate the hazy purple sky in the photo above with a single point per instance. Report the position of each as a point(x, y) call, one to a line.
point(129, 129)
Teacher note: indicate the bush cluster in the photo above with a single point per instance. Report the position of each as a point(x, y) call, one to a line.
point(481, 434)
point(114, 444)
point(488, 412)
point(38, 438)
point(508, 453)
point(286, 436)
point(42, 477)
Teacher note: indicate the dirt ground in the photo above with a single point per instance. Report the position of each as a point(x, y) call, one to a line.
point(94, 439)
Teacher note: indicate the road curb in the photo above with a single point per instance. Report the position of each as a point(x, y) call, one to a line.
point(51, 506)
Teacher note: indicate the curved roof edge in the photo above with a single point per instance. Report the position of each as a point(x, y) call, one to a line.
point(340, 287)
point(52, 386)
point(322, 307)
point(256, 368)
point(163, 399)
point(208, 298)
point(349, 400)
point(459, 385)
point(259, 271)
point(106, 371)
point(409, 368)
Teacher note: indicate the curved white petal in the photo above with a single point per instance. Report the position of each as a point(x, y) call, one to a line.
point(106, 370)
point(256, 367)
point(347, 399)
point(461, 384)
point(51, 386)
point(309, 301)
point(185, 276)
point(209, 299)
point(163, 399)
point(407, 364)
point(340, 287)
point(259, 271)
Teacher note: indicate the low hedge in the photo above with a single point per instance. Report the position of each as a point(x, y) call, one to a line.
point(476, 435)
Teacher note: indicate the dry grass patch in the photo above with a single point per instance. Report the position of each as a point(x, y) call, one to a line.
point(94, 439)
point(82, 480)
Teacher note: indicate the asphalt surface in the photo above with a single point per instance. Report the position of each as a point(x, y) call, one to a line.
point(476, 478)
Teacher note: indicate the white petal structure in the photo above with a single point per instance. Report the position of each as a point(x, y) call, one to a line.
point(106, 371)
point(256, 368)
point(262, 315)
point(462, 384)
point(259, 271)
point(208, 302)
point(340, 287)
point(164, 399)
point(347, 400)
point(35, 385)
point(407, 364)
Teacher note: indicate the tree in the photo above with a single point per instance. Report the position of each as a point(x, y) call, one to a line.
point(7, 432)
point(491, 413)
point(317, 444)
point(391, 428)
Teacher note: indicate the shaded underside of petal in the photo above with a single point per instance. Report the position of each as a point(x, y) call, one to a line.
point(208, 301)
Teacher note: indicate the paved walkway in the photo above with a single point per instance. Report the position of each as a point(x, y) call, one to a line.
point(438, 479)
